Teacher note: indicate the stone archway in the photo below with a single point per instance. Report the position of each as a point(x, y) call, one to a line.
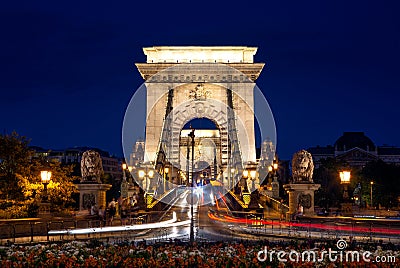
point(212, 103)
point(186, 84)
point(182, 114)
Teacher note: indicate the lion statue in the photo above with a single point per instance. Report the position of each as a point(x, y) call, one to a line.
point(91, 167)
point(302, 167)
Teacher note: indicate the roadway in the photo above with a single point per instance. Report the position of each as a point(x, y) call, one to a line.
point(213, 221)
point(207, 227)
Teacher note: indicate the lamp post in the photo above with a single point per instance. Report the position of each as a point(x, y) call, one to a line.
point(253, 175)
point(130, 168)
point(46, 176)
point(245, 176)
point(371, 184)
point(124, 166)
point(44, 208)
point(146, 176)
point(275, 183)
point(270, 169)
point(187, 163)
point(141, 174)
point(275, 166)
point(245, 188)
point(345, 180)
point(131, 185)
point(124, 183)
point(166, 170)
point(269, 188)
point(192, 136)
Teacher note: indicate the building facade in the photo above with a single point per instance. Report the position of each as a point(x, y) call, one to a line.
point(357, 150)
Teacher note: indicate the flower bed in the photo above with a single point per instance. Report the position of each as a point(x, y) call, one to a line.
point(97, 254)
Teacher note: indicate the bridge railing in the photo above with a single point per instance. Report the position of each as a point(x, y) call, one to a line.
point(332, 228)
point(166, 198)
point(274, 203)
point(37, 230)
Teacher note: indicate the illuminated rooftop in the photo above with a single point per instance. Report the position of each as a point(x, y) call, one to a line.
point(193, 54)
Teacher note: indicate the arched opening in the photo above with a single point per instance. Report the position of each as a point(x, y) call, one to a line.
point(207, 149)
point(200, 123)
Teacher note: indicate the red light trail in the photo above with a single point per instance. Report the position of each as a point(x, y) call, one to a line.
point(305, 225)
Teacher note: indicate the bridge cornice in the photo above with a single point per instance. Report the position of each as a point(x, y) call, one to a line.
point(251, 70)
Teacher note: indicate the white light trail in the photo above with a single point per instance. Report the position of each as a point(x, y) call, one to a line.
point(168, 223)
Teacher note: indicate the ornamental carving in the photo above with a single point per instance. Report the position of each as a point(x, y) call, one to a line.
point(88, 200)
point(199, 93)
point(305, 200)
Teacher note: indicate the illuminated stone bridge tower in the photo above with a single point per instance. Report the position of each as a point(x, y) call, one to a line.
point(184, 83)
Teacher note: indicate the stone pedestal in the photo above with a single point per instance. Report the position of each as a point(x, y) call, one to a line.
point(90, 193)
point(302, 194)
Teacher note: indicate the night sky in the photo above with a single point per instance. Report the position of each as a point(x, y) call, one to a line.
point(67, 70)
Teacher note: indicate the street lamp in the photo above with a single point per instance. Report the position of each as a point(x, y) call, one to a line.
point(124, 183)
point(270, 168)
point(46, 176)
point(166, 170)
point(275, 166)
point(275, 183)
point(44, 207)
point(130, 168)
point(141, 174)
point(371, 183)
point(253, 175)
point(146, 176)
point(245, 176)
point(345, 180)
point(245, 188)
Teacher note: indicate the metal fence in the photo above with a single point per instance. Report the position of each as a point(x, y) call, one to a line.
point(363, 231)
point(36, 230)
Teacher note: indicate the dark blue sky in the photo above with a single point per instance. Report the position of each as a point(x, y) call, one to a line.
point(67, 70)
